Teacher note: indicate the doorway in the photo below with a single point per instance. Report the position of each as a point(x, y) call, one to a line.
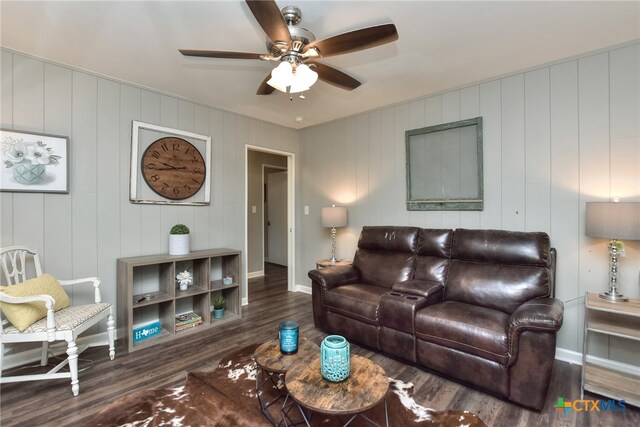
point(275, 214)
point(269, 218)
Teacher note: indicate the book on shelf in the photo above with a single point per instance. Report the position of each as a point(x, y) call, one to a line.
point(188, 326)
point(187, 318)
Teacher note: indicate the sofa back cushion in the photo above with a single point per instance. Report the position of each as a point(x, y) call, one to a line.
point(433, 255)
point(386, 254)
point(499, 269)
point(389, 238)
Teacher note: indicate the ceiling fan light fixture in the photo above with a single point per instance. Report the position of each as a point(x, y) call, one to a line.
point(303, 78)
point(281, 76)
point(296, 79)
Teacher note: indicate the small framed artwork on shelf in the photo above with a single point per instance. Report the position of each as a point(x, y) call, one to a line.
point(34, 162)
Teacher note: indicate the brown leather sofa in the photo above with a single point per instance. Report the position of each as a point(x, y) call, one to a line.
point(474, 305)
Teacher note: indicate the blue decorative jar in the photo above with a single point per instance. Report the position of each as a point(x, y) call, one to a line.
point(335, 360)
point(288, 337)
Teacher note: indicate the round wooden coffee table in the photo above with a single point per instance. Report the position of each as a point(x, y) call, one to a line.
point(365, 388)
point(272, 367)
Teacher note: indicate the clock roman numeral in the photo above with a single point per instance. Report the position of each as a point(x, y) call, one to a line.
point(164, 146)
point(155, 154)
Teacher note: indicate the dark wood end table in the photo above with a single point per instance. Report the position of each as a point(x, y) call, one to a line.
point(365, 388)
point(272, 367)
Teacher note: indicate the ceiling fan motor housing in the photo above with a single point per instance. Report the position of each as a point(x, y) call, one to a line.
point(292, 15)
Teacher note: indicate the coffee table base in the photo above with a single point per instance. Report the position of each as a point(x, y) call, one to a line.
point(306, 415)
point(266, 378)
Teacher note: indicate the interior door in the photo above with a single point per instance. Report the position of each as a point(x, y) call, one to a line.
point(276, 251)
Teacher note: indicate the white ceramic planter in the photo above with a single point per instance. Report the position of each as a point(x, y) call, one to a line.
point(178, 244)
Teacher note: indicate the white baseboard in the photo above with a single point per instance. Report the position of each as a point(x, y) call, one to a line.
point(255, 274)
point(575, 358)
point(302, 288)
point(57, 348)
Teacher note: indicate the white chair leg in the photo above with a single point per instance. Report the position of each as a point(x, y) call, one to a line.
point(44, 359)
point(1, 357)
point(72, 352)
point(110, 331)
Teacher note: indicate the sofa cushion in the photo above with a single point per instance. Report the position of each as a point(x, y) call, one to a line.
point(472, 329)
point(383, 268)
point(430, 268)
point(495, 286)
point(502, 247)
point(435, 242)
point(357, 301)
point(389, 238)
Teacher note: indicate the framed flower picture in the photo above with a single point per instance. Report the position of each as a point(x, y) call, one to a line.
point(34, 162)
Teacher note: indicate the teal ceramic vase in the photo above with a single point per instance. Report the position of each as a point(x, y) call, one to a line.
point(335, 360)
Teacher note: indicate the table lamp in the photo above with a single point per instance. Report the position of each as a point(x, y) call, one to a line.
point(335, 216)
point(613, 221)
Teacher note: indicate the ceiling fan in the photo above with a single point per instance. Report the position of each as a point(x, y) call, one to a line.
point(296, 48)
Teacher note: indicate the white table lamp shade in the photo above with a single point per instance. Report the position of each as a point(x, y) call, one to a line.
point(607, 220)
point(614, 221)
point(334, 216)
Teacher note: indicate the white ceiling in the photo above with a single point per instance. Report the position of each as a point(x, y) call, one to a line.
point(442, 45)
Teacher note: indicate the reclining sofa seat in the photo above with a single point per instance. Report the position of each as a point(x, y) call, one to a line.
point(475, 305)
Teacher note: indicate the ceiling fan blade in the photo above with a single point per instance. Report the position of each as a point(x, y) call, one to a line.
point(268, 15)
point(264, 88)
point(220, 54)
point(354, 41)
point(332, 76)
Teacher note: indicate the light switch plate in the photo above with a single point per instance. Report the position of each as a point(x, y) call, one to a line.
point(306, 210)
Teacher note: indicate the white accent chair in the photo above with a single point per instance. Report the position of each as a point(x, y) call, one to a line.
point(65, 324)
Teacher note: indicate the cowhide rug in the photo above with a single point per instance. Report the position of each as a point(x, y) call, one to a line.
point(227, 397)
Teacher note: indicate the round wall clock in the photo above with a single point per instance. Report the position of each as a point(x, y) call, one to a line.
point(173, 168)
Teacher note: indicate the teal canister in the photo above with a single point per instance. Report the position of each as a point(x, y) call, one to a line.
point(289, 337)
point(335, 360)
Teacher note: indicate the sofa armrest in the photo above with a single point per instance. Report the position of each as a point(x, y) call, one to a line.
point(544, 314)
point(331, 277)
point(432, 291)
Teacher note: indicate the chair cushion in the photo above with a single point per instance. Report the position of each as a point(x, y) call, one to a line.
point(469, 328)
point(23, 315)
point(356, 301)
point(66, 319)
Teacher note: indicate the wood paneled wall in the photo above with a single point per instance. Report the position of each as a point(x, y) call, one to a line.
point(555, 138)
point(83, 233)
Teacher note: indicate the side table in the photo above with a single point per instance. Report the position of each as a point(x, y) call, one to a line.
point(619, 319)
point(365, 388)
point(322, 263)
point(272, 367)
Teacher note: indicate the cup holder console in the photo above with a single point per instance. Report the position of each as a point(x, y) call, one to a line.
point(397, 310)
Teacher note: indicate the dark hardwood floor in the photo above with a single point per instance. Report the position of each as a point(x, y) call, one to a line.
point(50, 403)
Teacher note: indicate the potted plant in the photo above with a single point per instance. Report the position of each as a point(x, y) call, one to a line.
point(179, 240)
point(218, 307)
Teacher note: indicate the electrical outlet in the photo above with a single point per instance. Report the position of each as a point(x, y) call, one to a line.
point(306, 210)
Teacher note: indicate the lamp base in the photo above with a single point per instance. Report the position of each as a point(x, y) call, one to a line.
point(613, 296)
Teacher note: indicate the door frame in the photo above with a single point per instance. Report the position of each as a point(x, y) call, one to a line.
point(291, 206)
point(264, 231)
